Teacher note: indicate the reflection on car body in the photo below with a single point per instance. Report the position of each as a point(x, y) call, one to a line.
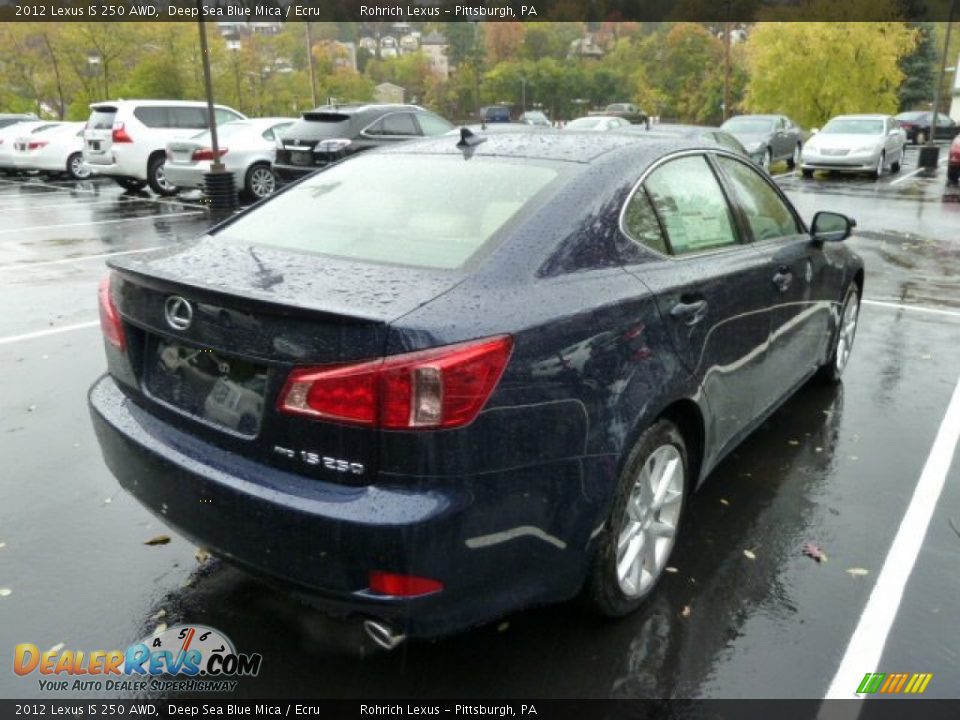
point(536, 347)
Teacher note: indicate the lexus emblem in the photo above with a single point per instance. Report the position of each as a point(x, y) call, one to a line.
point(179, 312)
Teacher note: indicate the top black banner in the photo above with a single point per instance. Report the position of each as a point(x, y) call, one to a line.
point(475, 10)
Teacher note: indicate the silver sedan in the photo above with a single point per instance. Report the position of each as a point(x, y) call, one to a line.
point(870, 144)
point(246, 150)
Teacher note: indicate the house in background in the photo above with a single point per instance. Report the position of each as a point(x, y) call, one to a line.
point(388, 93)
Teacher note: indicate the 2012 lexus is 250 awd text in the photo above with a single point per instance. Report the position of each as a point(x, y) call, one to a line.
point(445, 380)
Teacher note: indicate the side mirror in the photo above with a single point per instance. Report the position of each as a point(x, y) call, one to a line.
point(831, 227)
point(814, 131)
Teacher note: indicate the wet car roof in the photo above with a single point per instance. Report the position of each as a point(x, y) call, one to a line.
point(565, 145)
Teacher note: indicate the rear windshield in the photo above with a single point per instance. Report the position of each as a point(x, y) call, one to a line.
point(320, 124)
point(427, 211)
point(101, 119)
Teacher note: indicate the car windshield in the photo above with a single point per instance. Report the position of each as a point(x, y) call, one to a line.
point(585, 123)
point(432, 212)
point(748, 126)
point(854, 126)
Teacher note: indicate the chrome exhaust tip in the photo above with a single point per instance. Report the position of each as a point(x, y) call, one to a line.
point(383, 636)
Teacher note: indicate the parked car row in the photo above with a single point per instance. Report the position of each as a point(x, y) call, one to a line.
point(49, 148)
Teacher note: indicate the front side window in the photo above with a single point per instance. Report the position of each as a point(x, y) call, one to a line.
point(767, 214)
point(692, 206)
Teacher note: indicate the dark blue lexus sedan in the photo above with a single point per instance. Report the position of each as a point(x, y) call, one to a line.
point(439, 382)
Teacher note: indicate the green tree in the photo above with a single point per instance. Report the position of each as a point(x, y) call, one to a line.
point(812, 71)
point(919, 68)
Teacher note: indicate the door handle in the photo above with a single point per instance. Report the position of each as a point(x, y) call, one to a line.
point(782, 279)
point(689, 313)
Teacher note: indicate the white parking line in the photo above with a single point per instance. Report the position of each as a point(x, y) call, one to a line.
point(915, 172)
point(866, 645)
point(120, 197)
point(51, 331)
point(17, 207)
point(783, 175)
point(82, 258)
point(100, 222)
point(915, 308)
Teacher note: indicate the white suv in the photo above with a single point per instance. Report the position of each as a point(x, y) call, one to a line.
point(127, 139)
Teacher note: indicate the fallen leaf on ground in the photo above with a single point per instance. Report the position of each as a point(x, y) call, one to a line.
point(854, 458)
point(812, 550)
point(818, 449)
point(107, 501)
point(724, 501)
point(749, 554)
point(670, 569)
point(158, 540)
point(202, 555)
point(502, 627)
point(5, 591)
point(3, 545)
point(793, 442)
point(858, 571)
point(686, 611)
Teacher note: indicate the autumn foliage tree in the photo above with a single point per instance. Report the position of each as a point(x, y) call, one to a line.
point(812, 71)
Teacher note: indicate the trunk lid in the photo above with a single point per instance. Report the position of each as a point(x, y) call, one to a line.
point(254, 315)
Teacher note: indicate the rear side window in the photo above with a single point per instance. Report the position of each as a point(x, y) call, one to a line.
point(399, 124)
point(102, 119)
point(425, 211)
point(224, 116)
point(190, 118)
point(153, 117)
point(691, 205)
point(767, 214)
point(641, 224)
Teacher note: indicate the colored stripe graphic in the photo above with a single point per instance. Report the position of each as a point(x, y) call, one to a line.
point(894, 683)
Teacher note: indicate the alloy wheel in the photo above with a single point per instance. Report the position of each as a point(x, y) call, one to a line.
point(78, 169)
point(262, 182)
point(649, 526)
point(161, 177)
point(848, 331)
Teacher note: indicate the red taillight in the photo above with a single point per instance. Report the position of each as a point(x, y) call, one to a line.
point(37, 144)
point(120, 134)
point(402, 585)
point(208, 154)
point(109, 317)
point(442, 387)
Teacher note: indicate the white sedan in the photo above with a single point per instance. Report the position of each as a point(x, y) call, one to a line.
point(9, 135)
point(53, 150)
point(247, 150)
point(856, 144)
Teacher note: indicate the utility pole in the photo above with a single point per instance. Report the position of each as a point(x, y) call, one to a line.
point(313, 79)
point(218, 183)
point(726, 66)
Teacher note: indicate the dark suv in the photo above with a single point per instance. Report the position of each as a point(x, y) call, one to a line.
point(332, 132)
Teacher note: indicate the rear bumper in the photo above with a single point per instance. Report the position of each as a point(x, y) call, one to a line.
point(191, 176)
point(498, 544)
point(114, 164)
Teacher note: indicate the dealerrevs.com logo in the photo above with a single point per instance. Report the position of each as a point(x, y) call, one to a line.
point(183, 658)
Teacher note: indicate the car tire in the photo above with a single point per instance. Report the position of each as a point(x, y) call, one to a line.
point(794, 159)
point(76, 170)
point(256, 184)
point(130, 184)
point(953, 174)
point(878, 173)
point(616, 587)
point(808, 174)
point(157, 179)
point(846, 333)
point(767, 160)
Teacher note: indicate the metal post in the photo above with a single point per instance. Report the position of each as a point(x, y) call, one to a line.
point(218, 183)
point(943, 68)
point(523, 94)
point(313, 79)
point(726, 66)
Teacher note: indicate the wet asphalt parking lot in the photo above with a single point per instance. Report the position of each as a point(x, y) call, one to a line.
point(745, 614)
